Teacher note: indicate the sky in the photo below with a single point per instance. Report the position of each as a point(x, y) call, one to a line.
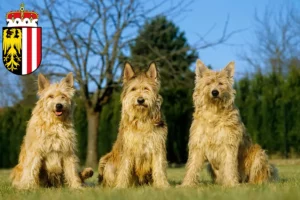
point(206, 14)
point(200, 17)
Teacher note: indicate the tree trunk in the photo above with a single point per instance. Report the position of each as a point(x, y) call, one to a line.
point(92, 150)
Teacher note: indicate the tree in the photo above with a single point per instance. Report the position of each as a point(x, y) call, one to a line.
point(291, 107)
point(28, 87)
point(87, 38)
point(161, 40)
point(277, 39)
point(276, 47)
point(242, 88)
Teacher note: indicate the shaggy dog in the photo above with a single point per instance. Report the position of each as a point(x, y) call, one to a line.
point(139, 153)
point(218, 135)
point(47, 156)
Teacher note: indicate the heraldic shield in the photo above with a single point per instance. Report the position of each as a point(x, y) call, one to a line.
point(22, 49)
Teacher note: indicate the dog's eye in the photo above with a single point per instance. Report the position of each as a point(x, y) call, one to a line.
point(145, 88)
point(63, 96)
point(133, 89)
point(51, 96)
point(220, 83)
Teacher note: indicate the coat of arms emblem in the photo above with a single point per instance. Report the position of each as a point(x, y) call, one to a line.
point(22, 42)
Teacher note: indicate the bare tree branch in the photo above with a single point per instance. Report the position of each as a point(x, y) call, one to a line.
point(204, 44)
point(277, 40)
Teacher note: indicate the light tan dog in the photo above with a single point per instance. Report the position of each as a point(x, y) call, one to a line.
point(218, 135)
point(139, 153)
point(47, 156)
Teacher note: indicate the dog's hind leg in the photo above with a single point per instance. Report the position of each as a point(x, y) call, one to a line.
point(16, 174)
point(110, 174)
point(101, 166)
point(107, 169)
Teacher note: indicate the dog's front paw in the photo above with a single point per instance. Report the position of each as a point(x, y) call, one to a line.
point(230, 184)
point(186, 184)
point(26, 185)
point(163, 185)
point(121, 186)
point(76, 185)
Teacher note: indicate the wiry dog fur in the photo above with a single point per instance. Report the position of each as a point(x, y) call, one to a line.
point(218, 135)
point(139, 153)
point(47, 156)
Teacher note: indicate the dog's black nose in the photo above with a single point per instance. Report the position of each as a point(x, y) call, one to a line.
point(140, 100)
point(215, 93)
point(59, 106)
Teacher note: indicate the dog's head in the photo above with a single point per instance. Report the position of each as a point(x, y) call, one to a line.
point(56, 98)
point(140, 90)
point(214, 87)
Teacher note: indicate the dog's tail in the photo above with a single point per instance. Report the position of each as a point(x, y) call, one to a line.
point(260, 169)
point(85, 174)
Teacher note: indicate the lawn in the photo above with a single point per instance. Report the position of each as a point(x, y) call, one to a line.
point(287, 188)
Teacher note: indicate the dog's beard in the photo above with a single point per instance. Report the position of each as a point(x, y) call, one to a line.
point(220, 101)
point(216, 99)
point(137, 111)
point(140, 109)
point(140, 106)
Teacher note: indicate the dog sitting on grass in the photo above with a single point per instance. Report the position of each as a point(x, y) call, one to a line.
point(47, 156)
point(139, 153)
point(218, 135)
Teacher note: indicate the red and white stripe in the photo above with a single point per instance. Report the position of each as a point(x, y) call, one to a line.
point(31, 49)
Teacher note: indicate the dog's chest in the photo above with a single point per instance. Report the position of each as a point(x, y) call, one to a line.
point(53, 163)
point(215, 139)
point(140, 144)
point(210, 134)
point(210, 138)
point(58, 139)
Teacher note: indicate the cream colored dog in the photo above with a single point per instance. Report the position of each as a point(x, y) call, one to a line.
point(219, 136)
point(47, 156)
point(139, 153)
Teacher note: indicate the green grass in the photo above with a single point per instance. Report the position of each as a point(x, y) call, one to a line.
point(287, 188)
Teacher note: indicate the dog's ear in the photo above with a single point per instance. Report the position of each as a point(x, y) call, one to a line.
point(200, 68)
point(152, 71)
point(128, 72)
point(229, 69)
point(42, 82)
point(69, 80)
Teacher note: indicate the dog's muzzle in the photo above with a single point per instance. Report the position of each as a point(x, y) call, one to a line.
point(59, 109)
